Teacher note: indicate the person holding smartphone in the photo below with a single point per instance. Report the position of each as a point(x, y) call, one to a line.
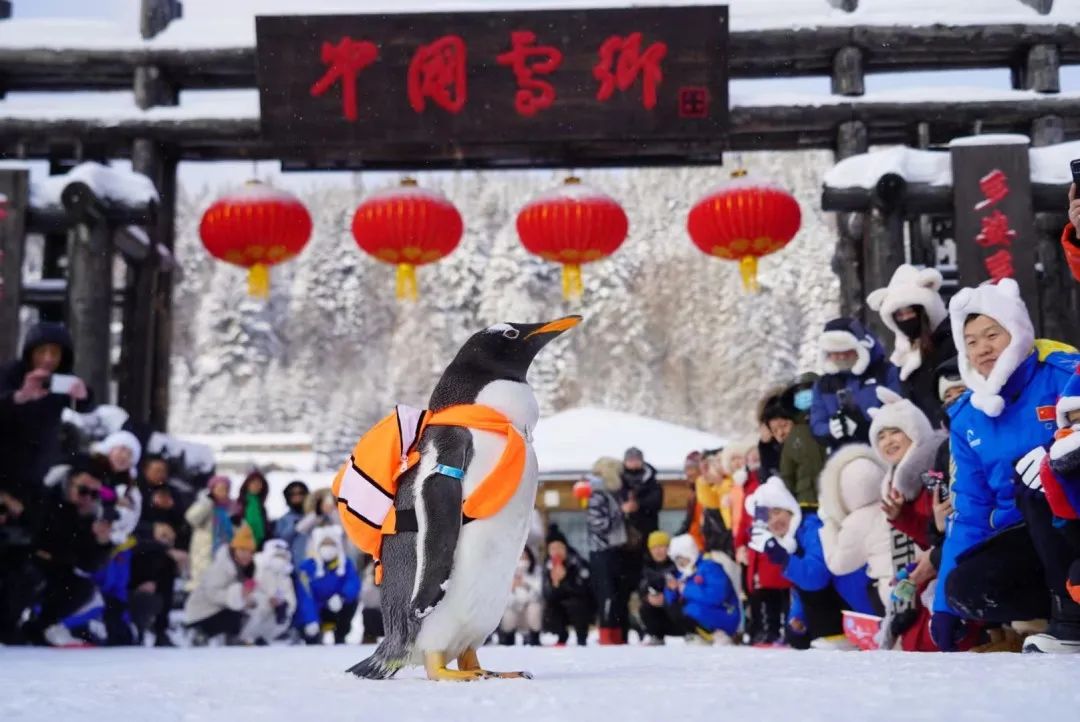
point(1070, 243)
point(34, 390)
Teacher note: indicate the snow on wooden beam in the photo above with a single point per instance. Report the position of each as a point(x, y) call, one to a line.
point(753, 53)
point(923, 198)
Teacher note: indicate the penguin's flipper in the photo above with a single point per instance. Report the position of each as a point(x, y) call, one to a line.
point(438, 499)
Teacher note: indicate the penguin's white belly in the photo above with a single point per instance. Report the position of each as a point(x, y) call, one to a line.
point(485, 559)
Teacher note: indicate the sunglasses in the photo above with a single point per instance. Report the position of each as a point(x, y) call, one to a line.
point(88, 491)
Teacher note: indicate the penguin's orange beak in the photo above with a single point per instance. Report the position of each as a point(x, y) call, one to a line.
point(563, 324)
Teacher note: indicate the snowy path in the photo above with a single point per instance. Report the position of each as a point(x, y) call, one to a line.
point(669, 684)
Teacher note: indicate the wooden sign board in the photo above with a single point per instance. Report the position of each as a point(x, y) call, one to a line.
point(639, 86)
point(994, 220)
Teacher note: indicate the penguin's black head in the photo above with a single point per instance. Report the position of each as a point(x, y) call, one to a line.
point(503, 351)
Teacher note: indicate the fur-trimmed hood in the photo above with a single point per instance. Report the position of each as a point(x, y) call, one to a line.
point(899, 413)
point(1001, 302)
point(848, 334)
point(850, 480)
point(773, 494)
point(330, 535)
point(909, 286)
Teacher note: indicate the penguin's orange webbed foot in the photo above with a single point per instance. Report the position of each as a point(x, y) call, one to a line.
point(469, 661)
point(435, 666)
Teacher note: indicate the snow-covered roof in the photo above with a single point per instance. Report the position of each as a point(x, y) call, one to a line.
point(213, 24)
point(568, 443)
point(1049, 165)
point(110, 184)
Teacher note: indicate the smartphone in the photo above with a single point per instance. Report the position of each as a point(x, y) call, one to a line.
point(1074, 166)
point(62, 383)
point(761, 514)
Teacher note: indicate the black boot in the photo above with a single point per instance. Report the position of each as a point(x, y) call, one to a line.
point(533, 640)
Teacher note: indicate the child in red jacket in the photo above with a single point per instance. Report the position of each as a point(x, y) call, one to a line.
point(768, 591)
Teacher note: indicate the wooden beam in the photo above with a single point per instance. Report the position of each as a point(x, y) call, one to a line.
point(155, 15)
point(777, 127)
point(14, 197)
point(921, 198)
point(848, 77)
point(753, 54)
point(90, 304)
point(1043, 7)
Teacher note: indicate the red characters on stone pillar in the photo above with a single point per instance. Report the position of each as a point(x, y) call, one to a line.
point(437, 71)
point(527, 59)
point(994, 186)
point(622, 61)
point(345, 60)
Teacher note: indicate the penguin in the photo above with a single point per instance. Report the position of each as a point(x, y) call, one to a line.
point(445, 585)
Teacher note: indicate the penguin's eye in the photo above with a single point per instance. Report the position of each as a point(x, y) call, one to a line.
point(511, 333)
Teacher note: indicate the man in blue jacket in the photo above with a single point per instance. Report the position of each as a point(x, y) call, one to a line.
point(790, 537)
point(1003, 561)
point(855, 365)
point(327, 587)
point(702, 601)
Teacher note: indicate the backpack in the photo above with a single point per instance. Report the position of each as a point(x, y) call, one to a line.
point(365, 487)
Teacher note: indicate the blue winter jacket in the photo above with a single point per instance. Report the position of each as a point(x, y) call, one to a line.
point(806, 568)
point(114, 578)
point(709, 598)
point(985, 450)
point(862, 389)
point(285, 529)
point(312, 591)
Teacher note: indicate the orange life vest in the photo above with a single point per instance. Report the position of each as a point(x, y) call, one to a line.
point(366, 485)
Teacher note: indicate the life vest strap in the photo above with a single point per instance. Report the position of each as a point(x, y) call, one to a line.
point(406, 521)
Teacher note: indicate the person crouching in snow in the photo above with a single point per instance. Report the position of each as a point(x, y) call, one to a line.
point(654, 580)
point(525, 610)
point(790, 538)
point(701, 602)
point(854, 532)
point(1061, 478)
point(567, 596)
point(225, 590)
point(273, 599)
point(327, 587)
point(1003, 560)
point(855, 366)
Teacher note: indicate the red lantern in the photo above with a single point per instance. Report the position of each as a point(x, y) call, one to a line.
point(744, 220)
point(256, 227)
point(409, 227)
point(573, 225)
point(582, 490)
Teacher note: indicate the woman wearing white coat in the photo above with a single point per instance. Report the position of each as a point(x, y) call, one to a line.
point(854, 530)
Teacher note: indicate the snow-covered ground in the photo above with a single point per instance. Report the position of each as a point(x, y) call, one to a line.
point(613, 684)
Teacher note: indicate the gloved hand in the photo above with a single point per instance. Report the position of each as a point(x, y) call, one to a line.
point(776, 552)
point(842, 427)
point(759, 535)
point(1027, 469)
point(946, 630)
point(334, 603)
point(311, 629)
point(1065, 453)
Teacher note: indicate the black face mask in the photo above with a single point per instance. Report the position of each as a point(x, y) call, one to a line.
point(912, 327)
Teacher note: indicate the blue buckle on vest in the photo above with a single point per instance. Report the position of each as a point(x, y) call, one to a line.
point(451, 471)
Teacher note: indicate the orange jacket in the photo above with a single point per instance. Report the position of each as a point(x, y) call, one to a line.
point(1072, 250)
point(365, 487)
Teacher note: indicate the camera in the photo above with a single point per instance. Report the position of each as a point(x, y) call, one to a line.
point(1074, 166)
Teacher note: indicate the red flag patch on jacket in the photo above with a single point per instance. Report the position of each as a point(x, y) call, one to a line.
point(1046, 413)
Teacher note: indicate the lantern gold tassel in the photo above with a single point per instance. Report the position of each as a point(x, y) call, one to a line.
point(406, 282)
point(572, 287)
point(259, 281)
point(748, 271)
